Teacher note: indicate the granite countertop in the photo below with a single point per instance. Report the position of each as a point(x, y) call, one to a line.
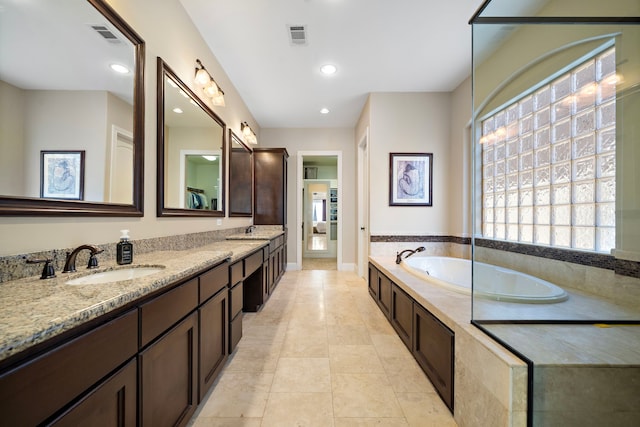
point(34, 310)
point(617, 345)
point(257, 234)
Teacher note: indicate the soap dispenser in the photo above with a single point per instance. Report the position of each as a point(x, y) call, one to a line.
point(124, 253)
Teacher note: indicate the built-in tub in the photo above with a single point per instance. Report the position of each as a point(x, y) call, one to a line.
point(490, 281)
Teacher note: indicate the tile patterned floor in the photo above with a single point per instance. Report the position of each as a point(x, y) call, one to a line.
point(320, 353)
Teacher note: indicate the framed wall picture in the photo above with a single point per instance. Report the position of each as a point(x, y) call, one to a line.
point(62, 175)
point(410, 179)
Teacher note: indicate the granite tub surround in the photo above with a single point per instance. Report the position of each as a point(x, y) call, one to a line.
point(35, 310)
point(490, 383)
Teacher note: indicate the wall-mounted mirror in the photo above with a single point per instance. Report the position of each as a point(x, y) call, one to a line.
point(72, 111)
point(240, 177)
point(191, 152)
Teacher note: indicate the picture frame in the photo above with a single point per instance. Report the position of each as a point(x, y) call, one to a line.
point(410, 179)
point(62, 174)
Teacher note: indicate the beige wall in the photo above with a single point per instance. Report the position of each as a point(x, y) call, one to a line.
point(460, 163)
point(170, 34)
point(295, 140)
point(12, 155)
point(409, 123)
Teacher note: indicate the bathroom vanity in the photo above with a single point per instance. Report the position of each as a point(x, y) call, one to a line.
point(135, 352)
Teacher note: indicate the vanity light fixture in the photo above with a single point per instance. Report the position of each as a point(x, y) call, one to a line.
point(248, 133)
point(209, 86)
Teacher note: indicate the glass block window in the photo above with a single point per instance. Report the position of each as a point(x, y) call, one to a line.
point(548, 162)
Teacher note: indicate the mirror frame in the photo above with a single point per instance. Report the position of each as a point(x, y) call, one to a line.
point(161, 210)
point(19, 206)
point(233, 137)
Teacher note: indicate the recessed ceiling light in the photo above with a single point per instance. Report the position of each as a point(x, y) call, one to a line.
point(210, 158)
point(324, 111)
point(118, 68)
point(328, 69)
point(177, 110)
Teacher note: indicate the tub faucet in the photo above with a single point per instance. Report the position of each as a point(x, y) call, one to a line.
point(249, 229)
point(70, 263)
point(411, 252)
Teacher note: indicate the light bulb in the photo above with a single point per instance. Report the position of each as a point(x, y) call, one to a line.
point(211, 89)
point(202, 77)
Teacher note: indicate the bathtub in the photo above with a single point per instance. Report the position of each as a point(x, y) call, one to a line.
point(491, 282)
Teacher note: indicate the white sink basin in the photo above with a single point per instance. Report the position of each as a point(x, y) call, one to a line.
point(114, 275)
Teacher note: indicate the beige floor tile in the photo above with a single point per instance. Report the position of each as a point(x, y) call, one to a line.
point(234, 404)
point(364, 396)
point(425, 410)
point(371, 422)
point(226, 422)
point(302, 375)
point(320, 352)
point(405, 375)
point(348, 334)
point(389, 345)
point(305, 346)
point(298, 409)
point(352, 359)
point(254, 358)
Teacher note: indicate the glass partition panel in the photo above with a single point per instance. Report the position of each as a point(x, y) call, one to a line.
point(556, 248)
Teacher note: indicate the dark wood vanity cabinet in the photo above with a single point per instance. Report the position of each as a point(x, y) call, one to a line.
point(433, 348)
point(38, 388)
point(168, 389)
point(112, 403)
point(147, 366)
point(401, 316)
point(270, 186)
point(384, 294)
point(277, 261)
point(430, 341)
point(374, 285)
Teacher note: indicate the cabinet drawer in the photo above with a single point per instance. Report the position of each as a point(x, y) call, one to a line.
point(212, 281)
point(35, 391)
point(252, 262)
point(236, 272)
point(163, 312)
point(236, 299)
point(113, 401)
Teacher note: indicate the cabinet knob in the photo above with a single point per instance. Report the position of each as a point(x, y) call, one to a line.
point(362, 228)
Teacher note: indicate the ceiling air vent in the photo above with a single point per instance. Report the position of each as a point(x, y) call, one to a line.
point(297, 34)
point(105, 33)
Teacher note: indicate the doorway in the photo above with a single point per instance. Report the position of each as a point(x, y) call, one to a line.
point(363, 205)
point(319, 225)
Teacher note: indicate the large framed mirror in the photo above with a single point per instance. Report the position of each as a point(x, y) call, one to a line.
point(240, 177)
point(72, 110)
point(191, 151)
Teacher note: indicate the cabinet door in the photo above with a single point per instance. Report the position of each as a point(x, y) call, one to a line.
point(384, 295)
point(214, 340)
point(168, 377)
point(112, 403)
point(373, 282)
point(38, 389)
point(402, 314)
point(433, 349)
point(270, 186)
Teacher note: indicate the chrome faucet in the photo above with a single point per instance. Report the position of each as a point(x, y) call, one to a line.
point(70, 263)
point(411, 252)
point(249, 229)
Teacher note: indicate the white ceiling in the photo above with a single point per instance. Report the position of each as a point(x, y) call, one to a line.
point(377, 45)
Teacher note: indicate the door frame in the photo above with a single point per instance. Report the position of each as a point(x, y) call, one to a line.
point(363, 204)
point(300, 187)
